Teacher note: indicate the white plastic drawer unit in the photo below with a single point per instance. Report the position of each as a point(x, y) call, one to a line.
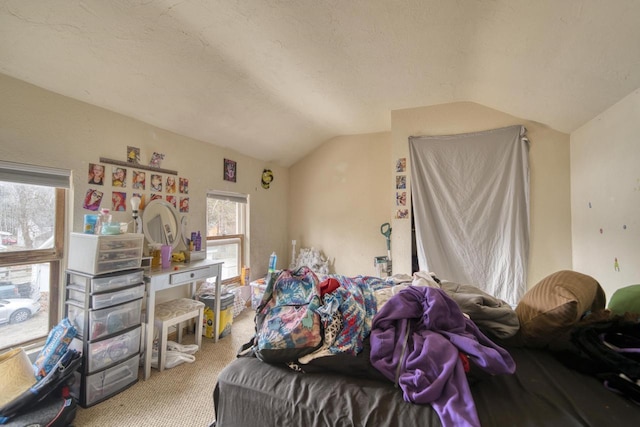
point(106, 321)
point(105, 353)
point(97, 254)
point(109, 282)
point(94, 388)
point(103, 300)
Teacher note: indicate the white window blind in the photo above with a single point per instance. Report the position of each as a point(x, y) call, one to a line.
point(21, 173)
point(230, 197)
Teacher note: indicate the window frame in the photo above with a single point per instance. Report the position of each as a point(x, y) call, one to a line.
point(60, 181)
point(227, 239)
point(242, 216)
point(53, 256)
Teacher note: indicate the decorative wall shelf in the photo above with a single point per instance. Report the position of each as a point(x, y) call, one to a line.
point(136, 165)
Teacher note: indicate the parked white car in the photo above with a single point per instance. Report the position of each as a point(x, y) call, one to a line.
point(16, 310)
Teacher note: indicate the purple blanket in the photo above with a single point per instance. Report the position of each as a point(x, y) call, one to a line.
point(416, 341)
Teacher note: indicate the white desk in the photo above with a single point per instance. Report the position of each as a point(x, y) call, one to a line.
point(159, 279)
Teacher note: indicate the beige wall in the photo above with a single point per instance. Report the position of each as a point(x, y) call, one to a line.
point(605, 195)
point(339, 199)
point(342, 192)
point(43, 128)
point(335, 199)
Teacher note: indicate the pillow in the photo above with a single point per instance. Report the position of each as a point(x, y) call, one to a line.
point(556, 303)
point(625, 300)
point(493, 316)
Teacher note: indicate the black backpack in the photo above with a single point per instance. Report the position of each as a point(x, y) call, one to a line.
point(46, 395)
point(610, 350)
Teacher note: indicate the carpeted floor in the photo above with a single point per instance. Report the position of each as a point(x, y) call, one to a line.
point(180, 396)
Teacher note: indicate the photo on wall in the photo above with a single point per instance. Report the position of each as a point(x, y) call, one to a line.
point(401, 198)
point(133, 155)
point(118, 201)
point(119, 177)
point(92, 199)
point(184, 205)
point(156, 159)
point(171, 184)
point(139, 180)
point(184, 185)
point(229, 170)
point(402, 214)
point(96, 174)
point(172, 200)
point(156, 183)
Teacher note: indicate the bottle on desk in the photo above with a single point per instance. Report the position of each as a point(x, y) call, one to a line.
point(273, 260)
point(155, 256)
point(244, 278)
point(198, 242)
point(105, 217)
point(187, 252)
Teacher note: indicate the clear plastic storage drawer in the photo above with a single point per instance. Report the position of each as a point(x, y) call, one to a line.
point(106, 321)
point(98, 254)
point(98, 301)
point(105, 283)
point(104, 384)
point(112, 350)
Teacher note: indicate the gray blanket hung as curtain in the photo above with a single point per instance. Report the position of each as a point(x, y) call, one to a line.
point(470, 196)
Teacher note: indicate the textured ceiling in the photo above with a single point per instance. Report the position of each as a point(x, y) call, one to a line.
point(273, 79)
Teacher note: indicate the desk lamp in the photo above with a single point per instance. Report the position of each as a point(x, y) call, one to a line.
point(135, 205)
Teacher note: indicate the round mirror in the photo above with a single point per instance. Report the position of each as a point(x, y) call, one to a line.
point(183, 230)
point(161, 224)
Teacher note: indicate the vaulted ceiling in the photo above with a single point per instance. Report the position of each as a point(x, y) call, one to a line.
point(273, 79)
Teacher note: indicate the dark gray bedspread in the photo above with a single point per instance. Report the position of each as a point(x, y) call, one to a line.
point(542, 392)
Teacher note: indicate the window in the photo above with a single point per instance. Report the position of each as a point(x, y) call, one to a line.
point(32, 216)
point(227, 232)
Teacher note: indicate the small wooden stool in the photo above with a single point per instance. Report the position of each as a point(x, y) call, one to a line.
point(173, 313)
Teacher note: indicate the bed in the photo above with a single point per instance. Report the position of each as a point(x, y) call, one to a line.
point(347, 390)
